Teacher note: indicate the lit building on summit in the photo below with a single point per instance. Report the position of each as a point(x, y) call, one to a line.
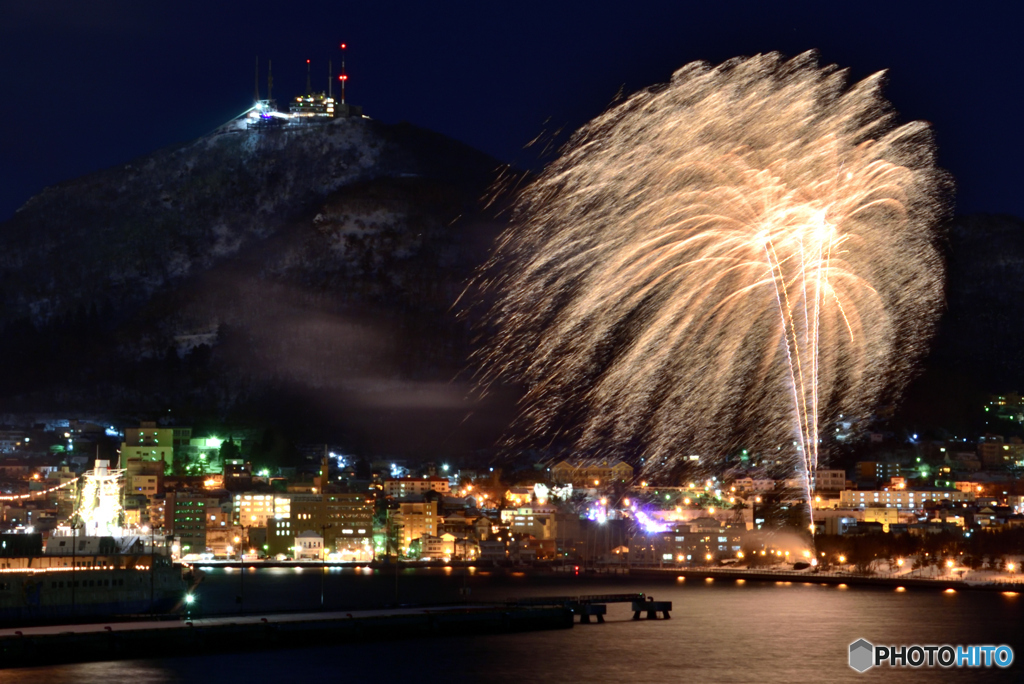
point(312, 107)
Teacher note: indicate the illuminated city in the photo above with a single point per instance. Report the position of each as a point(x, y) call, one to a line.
point(583, 342)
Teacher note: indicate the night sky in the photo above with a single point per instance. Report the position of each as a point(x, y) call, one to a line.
point(92, 84)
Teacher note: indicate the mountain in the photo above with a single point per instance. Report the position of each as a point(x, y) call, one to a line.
point(976, 350)
point(305, 278)
point(302, 276)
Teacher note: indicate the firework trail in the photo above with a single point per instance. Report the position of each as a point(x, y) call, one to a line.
point(732, 259)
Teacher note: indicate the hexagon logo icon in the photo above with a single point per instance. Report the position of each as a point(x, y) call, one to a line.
point(862, 655)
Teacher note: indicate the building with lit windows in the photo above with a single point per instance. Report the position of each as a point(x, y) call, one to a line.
point(876, 471)
point(900, 498)
point(185, 518)
point(541, 522)
point(687, 544)
point(225, 542)
point(149, 443)
point(414, 520)
point(254, 510)
point(415, 486)
point(591, 472)
point(280, 537)
point(994, 451)
point(309, 545)
point(344, 519)
point(144, 477)
point(824, 480)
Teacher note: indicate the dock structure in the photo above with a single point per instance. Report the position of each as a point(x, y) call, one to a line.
point(652, 608)
point(596, 606)
point(30, 646)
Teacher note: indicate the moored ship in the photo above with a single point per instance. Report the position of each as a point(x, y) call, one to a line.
point(89, 577)
point(92, 567)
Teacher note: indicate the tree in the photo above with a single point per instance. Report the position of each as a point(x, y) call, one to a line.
point(229, 450)
point(363, 471)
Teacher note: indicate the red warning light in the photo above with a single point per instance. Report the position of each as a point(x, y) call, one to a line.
point(343, 46)
point(307, 61)
point(343, 77)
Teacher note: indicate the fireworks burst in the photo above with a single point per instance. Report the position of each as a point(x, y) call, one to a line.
point(733, 259)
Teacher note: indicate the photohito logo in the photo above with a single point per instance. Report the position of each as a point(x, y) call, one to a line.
point(865, 655)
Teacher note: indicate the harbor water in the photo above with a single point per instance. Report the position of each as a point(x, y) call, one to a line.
point(720, 631)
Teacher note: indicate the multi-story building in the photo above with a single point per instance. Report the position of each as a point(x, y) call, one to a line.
point(436, 548)
point(186, 516)
point(541, 522)
point(136, 510)
point(237, 474)
point(182, 436)
point(591, 472)
point(900, 498)
point(994, 451)
point(280, 536)
point(11, 440)
point(64, 497)
point(751, 484)
point(158, 512)
point(825, 481)
point(145, 478)
point(703, 540)
point(148, 485)
point(877, 471)
point(219, 516)
point(414, 486)
point(414, 520)
point(254, 510)
point(149, 443)
point(345, 520)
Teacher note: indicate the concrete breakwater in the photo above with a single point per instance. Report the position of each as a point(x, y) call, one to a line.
point(119, 641)
point(804, 577)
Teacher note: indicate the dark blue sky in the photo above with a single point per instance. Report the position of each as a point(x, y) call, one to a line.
point(87, 85)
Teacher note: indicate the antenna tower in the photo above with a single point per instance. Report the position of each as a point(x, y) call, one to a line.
point(344, 76)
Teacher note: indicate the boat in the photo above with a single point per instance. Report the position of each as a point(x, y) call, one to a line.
point(92, 567)
point(89, 578)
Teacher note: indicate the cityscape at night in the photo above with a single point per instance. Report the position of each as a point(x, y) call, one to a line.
point(579, 342)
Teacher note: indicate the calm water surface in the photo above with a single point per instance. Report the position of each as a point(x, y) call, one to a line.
point(722, 631)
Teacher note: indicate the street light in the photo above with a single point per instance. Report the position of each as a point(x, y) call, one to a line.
point(323, 559)
point(241, 570)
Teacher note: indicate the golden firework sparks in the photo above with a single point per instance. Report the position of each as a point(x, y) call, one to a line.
point(735, 258)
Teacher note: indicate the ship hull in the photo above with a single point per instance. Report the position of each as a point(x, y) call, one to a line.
point(88, 594)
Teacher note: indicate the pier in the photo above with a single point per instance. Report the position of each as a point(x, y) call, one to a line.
point(58, 644)
point(597, 605)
